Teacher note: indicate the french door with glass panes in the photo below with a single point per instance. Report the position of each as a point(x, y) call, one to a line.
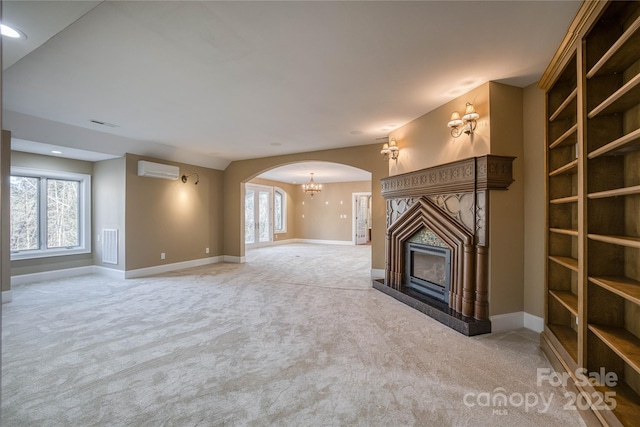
point(258, 228)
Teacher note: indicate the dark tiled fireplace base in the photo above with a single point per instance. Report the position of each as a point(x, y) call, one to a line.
point(436, 309)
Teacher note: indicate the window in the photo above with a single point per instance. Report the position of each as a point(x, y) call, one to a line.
point(50, 213)
point(279, 210)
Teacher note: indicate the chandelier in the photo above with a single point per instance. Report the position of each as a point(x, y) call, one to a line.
point(311, 188)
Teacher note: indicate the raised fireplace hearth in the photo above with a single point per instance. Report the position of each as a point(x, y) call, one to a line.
point(436, 255)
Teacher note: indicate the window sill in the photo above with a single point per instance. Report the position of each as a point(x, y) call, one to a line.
point(51, 253)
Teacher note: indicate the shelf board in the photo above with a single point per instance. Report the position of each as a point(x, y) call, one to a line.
point(621, 100)
point(561, 200)
point(627, 288)
point(630, 242)
point(567, 337)
point(572, 97)
point(627, 143)
point(568, 299)
point(567, 138)
point(624, 191)
point(567, 231)
point(569, 168)
point(622, 342)
point(627, 409)
point(623, 53)
point(570, 263)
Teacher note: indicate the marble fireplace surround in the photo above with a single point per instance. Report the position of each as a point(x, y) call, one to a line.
point(451, 202)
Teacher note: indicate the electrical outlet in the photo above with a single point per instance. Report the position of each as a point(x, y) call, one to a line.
point(162, 255)
point(206, 250)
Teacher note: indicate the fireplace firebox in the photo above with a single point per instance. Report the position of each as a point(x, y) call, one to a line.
point(429, 270)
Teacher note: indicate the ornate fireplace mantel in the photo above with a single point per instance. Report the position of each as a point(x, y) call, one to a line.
point(451, 201)
point(477, 173)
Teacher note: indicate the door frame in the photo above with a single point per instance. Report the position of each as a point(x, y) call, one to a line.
point(257, 188)
point(354, 202)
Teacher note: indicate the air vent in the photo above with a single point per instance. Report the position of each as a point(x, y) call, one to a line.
point(110, 246)
point(98, 122)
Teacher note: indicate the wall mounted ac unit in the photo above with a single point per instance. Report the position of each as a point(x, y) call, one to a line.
point(157, 170)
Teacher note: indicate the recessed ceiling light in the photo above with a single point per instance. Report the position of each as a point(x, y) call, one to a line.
point(10, 32)
point(56, 152)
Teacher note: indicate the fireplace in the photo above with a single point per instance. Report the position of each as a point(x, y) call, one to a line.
point(429, 270)
point(437, 248)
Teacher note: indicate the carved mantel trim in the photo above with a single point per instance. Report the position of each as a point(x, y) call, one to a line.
point(487, 172)
point(452, 200)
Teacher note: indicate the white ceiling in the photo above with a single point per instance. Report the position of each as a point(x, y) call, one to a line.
point(323, 173)
point(212, 82)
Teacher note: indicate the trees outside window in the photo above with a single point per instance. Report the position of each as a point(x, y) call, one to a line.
point(50, 213)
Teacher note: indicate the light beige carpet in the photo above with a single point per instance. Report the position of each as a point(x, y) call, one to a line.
point(295, 337)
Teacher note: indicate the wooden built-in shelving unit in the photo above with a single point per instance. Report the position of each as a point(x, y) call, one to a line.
point(592, 317)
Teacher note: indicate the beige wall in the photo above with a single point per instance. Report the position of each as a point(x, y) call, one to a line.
point(52, 163)
point(109, 191)
point(426, 142)
point(506, 225)
point(534, 200)
point(318, 217)
point(170, 216)
point(365, 157)
point(38, 265)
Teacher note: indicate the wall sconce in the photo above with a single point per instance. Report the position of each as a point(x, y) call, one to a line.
point(390, 150)
point(186, 177)
point(467, 124)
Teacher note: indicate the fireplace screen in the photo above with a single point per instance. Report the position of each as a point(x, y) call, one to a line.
point(429, 270)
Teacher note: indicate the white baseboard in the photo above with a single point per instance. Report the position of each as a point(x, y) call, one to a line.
point(377, 273)
point(507, 322)
point(283, 242)
point(159, 269)
point(324, 242)
point(110, 272)
point(51, 275)
point(7, 296)
point(234, 259)
point(517, 320)
point(535, 323)
point(311, 241)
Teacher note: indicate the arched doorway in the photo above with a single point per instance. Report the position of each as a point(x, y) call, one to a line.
point(366, 157)
point(277, 210)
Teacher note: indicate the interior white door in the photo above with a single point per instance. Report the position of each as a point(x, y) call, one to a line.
point(362, 204)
